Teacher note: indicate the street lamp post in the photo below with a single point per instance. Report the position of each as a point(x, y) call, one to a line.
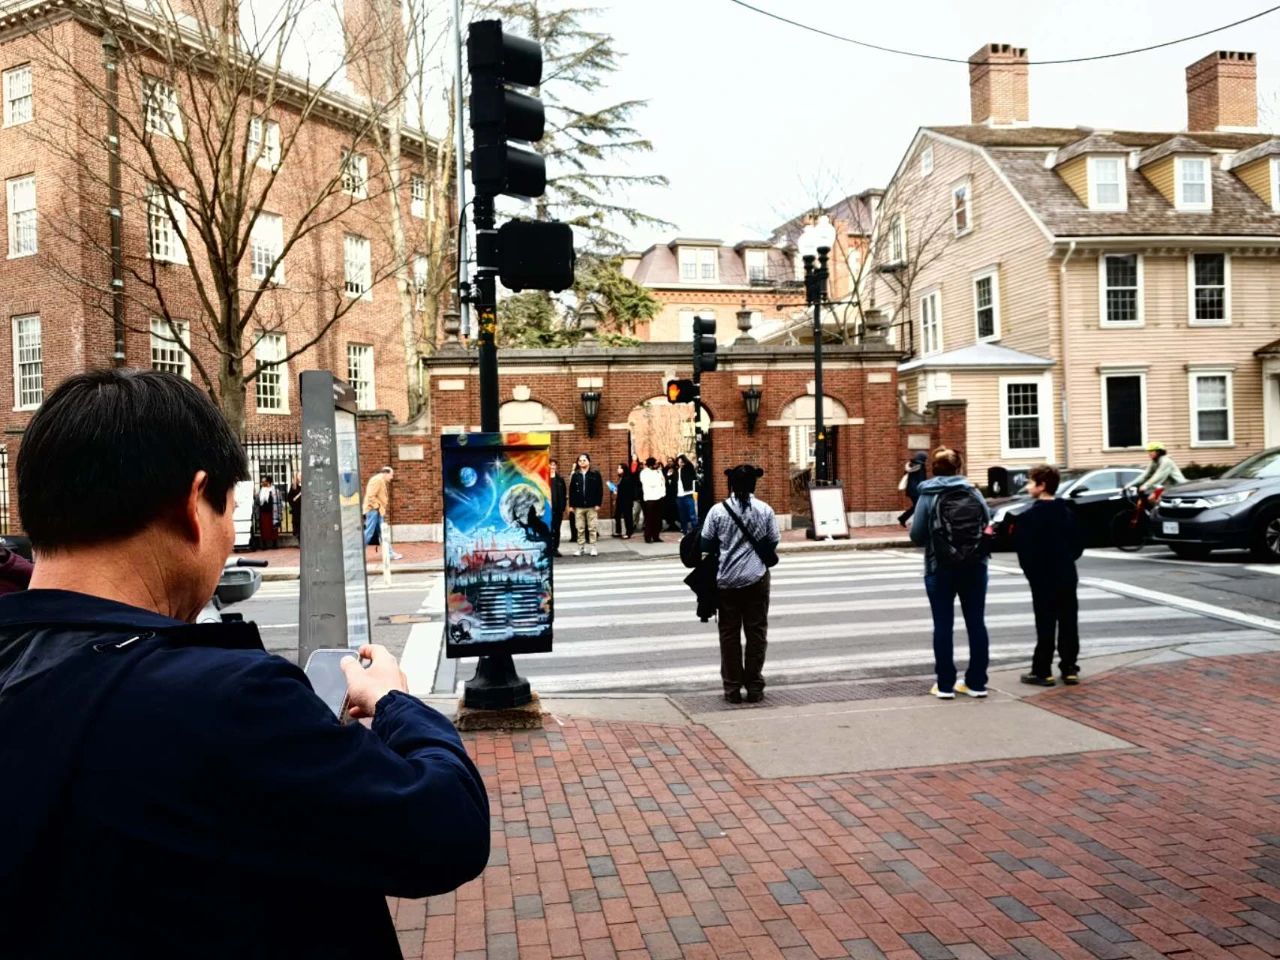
point(815, 246)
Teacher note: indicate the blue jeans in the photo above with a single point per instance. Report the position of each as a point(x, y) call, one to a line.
point(970, 585)
point(372, 526)
point(688, 510)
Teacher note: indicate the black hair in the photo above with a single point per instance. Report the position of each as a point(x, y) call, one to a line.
point(112, 451)
point(742, 480)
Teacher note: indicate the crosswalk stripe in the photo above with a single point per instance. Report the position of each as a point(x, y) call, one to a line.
point(677, 586)
point(648, 571)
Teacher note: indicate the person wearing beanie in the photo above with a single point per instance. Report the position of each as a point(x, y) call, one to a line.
point(745, 532)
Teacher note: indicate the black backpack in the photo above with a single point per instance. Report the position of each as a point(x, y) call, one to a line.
point(956, 534)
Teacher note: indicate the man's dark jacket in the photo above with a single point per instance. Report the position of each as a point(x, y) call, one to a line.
point(558, 496)
point(586, 490)
point(170, 790)
point(1049, 541)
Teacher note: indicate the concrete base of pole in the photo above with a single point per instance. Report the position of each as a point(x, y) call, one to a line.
point(526, 717)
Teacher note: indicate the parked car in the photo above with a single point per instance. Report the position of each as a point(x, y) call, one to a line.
point(1240, 509)
point(1094, 493)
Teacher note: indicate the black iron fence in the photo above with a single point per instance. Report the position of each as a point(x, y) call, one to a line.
point(4, 490)
point(279, 457)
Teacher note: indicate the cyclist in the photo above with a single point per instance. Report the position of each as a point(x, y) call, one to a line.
point(1162, 471)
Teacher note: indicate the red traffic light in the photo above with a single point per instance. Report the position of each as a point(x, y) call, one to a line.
point(681, 391)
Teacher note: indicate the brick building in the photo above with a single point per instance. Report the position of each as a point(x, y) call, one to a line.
point(317, 217)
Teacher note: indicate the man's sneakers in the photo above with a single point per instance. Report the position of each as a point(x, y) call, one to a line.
point(396, 556)
point(594, 552)
point(968, 692)
point(1070, 679)
point(1035, 680)
point(580, 551)
point(942, 694)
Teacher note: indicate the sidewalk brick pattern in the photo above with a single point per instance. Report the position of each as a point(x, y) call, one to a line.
point(635, 841)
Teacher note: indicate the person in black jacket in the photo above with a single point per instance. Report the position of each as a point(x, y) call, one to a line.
point(913, 474)
point(559, 499)
point(1048, 540)
point(624, 498)
point(586, 493)
point(180, 791)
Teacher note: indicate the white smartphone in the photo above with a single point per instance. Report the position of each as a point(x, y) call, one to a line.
point(324, 670)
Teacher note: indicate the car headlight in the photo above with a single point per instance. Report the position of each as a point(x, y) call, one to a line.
point(1226, 499)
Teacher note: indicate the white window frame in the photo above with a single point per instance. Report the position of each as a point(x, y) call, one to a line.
point(271, 347)
point(1044, 401)
point(897, 239)
point(1275, 184)
point(934, 296)
point(14, 80)
point(708, 257)
point(264, 142)
point(360, 355)
point(18, 232)
point(167, 212)
point(352, 242)
point(1102, 294)
point(1197, 373)
point(266, 246)
point(756, 260)
point(1179, 200)
point(355, 174)
point(18, 363)
point(1122, 167)
point(992, 274)
point(1226, 290)
point(926, 160)
point(962, 188)
point(417, 196)
point(1106, 373)
point(163, 341)
point(160, 111)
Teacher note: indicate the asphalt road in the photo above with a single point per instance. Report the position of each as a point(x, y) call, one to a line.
point(629, 626)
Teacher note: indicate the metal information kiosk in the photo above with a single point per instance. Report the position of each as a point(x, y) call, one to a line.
point(334, 601)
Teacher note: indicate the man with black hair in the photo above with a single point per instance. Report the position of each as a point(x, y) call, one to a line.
point(745, 531)
point(173, 790)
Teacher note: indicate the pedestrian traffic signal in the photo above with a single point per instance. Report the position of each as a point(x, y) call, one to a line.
point(535, 256)
point(499, 114)
point(681, 391)
point(704, 345)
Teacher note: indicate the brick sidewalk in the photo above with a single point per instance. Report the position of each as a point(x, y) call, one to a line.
point(634, 840)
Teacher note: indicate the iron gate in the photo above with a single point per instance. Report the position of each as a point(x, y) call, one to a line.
point(278, 456)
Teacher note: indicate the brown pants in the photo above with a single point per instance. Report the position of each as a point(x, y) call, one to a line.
point(652, 521)
point(744, 610)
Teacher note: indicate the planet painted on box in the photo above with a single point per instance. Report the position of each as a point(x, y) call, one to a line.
point(467, 477)
point(518, 501)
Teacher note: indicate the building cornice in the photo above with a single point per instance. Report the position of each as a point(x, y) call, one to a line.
point(675, 354)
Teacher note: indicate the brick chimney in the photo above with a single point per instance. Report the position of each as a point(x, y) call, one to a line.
point(1222, 92)
point(998, 85)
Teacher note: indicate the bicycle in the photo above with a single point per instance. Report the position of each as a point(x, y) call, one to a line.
point(1130, 529)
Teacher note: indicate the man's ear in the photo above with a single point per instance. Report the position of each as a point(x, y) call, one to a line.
point(190, 526)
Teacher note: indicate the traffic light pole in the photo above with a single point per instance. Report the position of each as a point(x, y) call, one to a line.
point(816, 281)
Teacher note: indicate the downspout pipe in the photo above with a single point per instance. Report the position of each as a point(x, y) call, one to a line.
point(1064, 303)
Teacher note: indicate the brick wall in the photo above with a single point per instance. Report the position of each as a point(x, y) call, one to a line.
point(998, 85)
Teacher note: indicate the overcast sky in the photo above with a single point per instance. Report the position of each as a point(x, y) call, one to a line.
point(749, 117)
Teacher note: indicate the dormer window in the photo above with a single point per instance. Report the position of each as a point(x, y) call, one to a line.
point(1193, 189)
point(1106, 183)
point(697, 265)
point(757, 265)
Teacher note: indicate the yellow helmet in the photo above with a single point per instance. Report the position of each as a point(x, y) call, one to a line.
point(1155, 445)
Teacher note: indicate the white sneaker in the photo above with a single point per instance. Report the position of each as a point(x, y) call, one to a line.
point(963, 688)
point(581, 551)
point(594, 552)
point(397, 556)
point(942, 694)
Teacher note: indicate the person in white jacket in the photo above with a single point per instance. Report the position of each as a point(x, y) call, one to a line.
point(653, 489)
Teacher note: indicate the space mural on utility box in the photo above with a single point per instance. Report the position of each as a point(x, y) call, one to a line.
point(497, 543)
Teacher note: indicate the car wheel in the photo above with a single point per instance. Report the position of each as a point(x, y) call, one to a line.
point(1266, 536)
point(1186, 551)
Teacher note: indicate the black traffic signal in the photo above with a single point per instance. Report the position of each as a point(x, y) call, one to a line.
point(681, 391)
point(704, 345)
point(535, 256)
point(495, 59)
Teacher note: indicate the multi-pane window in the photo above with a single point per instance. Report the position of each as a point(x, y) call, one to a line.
point(166, 226)
point(18, 102)
point(160, 113)
point(1124, 415)
point(168, 343)
point(986, 306)
point(264, 142)
point(926, 160)
point(28, 363)
point(931, 322)
point(421, 273)
point(20, 195)
point(357, 265)
point(418, 195)
point(272, 384)
point(1209, 288)
point(1192, 190)
point(897, 240)
point(1211, 408)
point(757, 262)
point(698, 264)
point(1022, 416)
point(355, 174)
point(266, 244)
point(1122, 281)
point(1106, 183)
point(360, 373)
point(961, 213)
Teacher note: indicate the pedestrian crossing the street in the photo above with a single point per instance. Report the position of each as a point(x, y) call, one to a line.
point(630, 626)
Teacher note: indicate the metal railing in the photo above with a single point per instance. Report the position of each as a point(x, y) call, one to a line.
point(278, 456)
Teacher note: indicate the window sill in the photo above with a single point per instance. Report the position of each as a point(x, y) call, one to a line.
point(1138, 449)
point(17, 123)
point(964, 233)
point(1209, 323)
point(274, 413)
point(994, 338)
point(1121, 324)
point(26, 409)
point(1213, 444)
point(21, 256)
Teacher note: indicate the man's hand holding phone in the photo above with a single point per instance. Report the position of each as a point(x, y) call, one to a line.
point(367, 685)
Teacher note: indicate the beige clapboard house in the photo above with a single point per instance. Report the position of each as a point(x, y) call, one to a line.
point(1088, 291)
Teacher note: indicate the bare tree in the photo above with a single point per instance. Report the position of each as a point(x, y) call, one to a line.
point(226, 121)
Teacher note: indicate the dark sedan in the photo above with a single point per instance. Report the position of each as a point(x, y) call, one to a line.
point(1240, 509)
point(1095, 494)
